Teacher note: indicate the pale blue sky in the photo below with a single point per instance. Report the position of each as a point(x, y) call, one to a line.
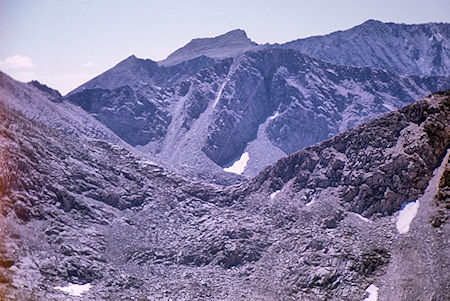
point(64, 43)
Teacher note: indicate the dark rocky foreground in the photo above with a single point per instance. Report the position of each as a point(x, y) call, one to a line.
point(81, 210)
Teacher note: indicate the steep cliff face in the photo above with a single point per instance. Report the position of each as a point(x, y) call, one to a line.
point(138, 116)
point(266, 103)
point(377, 166)
point(302, 101)
point(421, 49)
point(88, 212)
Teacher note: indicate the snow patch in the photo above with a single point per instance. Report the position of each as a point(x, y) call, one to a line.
point(332, 71)
point(438, 36)
point(219, 94)
point(274, 194)
point(75, 289)
point(389, 107)
point(148, 162)
point(274, 115)
point(310, 203)
point(365, 219)
point(406, 216)
point(373, 293)
point(239, 166)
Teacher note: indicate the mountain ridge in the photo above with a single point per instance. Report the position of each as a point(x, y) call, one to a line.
point(279, 90)
point(403, 48)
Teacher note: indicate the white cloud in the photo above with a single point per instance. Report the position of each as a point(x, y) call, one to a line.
point(88, 64)
point(17, 62)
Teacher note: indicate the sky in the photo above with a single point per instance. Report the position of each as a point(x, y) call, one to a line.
point(64, 43)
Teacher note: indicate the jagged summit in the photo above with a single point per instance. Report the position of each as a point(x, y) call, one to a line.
point(134, 71)
point(226, 45)
point(196, 55)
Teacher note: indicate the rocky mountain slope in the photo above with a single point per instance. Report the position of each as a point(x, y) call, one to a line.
point(321, 224)
point(39, 102)
point(225, 103)
point(134, 71)
point(265, 104)
point(421, 49)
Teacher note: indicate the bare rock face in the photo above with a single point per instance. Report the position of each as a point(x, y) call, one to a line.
point(134, 116)
point(304, 101)
point(217, 98)
point(441, 216)
point(377, 166)
point(318, 225)
point(217, 109)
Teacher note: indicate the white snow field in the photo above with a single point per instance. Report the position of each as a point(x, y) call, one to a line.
point(274, 194)
point(75, 289)
point(373, 293)
point(219, 94)
point(239, 166)
point(406, 216)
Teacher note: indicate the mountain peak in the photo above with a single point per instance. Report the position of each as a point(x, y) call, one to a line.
point(237, 31)
point(132, 59)
point(372, 22)
point(228, 44)
point(371, 25)
point(236, 34)
point(130, 71)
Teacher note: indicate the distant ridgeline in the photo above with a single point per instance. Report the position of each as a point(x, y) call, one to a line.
point(216, 99)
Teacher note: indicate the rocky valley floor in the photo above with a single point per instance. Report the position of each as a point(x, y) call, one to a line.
point(364, 213)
